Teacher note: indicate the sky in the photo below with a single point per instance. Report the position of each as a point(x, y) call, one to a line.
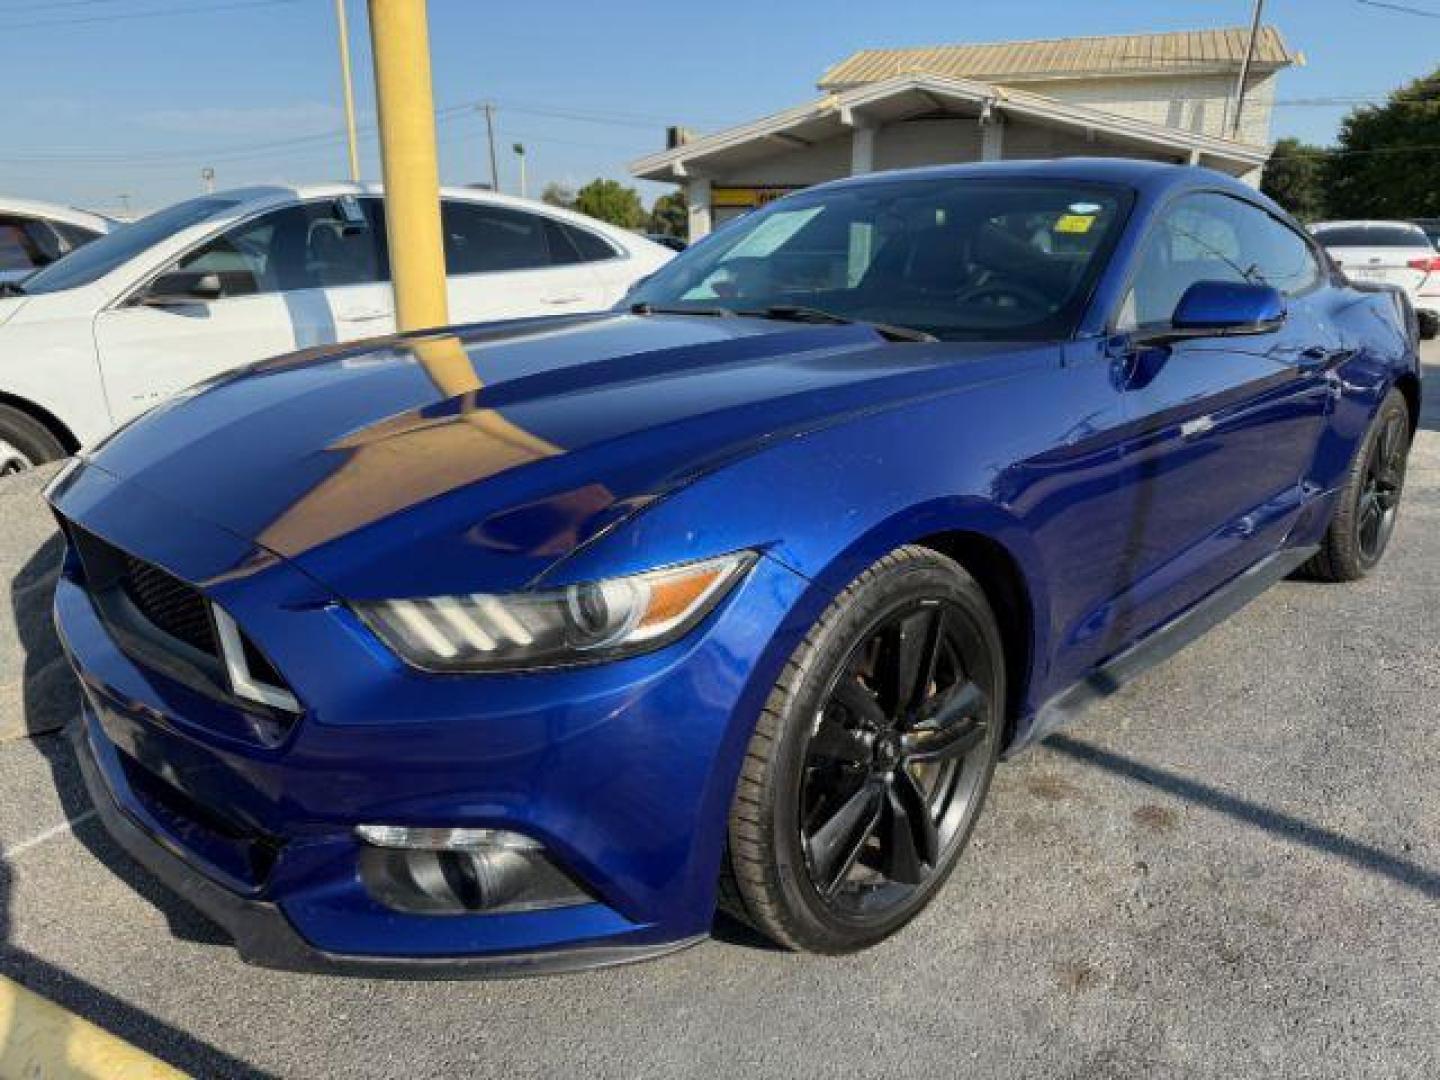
point(116, 104)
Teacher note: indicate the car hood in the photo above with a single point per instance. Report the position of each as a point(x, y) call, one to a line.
point(498, 450)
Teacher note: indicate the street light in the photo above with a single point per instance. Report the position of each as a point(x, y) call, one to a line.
point(519, 149)
point(207, 177)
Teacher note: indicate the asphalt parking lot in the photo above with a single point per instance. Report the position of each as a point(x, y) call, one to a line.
point(1230, 868)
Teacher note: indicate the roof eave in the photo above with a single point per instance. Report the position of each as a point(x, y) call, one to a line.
point(670, 165)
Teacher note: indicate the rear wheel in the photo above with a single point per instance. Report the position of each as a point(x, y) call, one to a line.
point(871, 759)
point(25, 442)
point(1370, 501)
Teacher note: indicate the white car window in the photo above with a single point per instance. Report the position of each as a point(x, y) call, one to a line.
point(299, 247)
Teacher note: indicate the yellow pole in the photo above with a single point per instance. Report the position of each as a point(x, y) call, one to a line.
point(343, 27)
point(400, 42)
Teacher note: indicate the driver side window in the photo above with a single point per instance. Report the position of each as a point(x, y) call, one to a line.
point(1197, 239)
point(1211, 237)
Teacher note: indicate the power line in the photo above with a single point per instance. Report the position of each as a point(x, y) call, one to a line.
point(1362, 153)
point(1404, 8)
point(157, 13)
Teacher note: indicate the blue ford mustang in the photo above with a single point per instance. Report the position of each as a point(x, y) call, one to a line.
point(520, 647)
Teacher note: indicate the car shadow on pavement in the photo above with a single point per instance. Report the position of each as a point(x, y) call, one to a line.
point(1411, 875)
point(51, 705)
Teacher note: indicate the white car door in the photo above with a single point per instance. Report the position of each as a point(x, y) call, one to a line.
point(288, 279)
point(501, 266)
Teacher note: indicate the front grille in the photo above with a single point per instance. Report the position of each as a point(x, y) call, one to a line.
point(169, 625)
point(170, 605)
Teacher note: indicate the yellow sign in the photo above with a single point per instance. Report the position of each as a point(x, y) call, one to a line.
point(748, 198)
point(1074, 223)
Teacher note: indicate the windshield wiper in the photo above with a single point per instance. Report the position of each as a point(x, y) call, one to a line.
point(11, 288)
point(643, 308)
point(802, 314)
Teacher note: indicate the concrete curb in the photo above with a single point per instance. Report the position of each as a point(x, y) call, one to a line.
point(41, 1041)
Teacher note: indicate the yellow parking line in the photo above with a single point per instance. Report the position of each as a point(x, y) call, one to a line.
point(41, 1041)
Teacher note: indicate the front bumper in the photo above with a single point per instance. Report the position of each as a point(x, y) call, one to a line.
point(623, 772)
point(264, 937)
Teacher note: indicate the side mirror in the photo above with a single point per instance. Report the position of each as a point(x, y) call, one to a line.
point(1222, 309)
point(180, 287)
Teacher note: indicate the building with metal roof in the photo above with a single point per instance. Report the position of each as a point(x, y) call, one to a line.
point(1165, 97)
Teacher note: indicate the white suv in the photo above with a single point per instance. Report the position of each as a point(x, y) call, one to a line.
point(226, 279)
point(1390, 253)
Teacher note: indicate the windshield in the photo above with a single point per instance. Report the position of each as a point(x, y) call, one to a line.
point(957, 257)
point(97, 258)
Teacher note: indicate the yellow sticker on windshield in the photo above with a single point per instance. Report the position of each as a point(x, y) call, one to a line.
point(1074, 223)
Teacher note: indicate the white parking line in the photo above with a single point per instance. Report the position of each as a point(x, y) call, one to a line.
point(39, 838)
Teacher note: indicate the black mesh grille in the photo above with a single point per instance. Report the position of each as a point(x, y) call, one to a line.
point(170, 605)
point(148, 610)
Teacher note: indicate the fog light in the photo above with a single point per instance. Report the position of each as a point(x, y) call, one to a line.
point(461, 871)
point(402, 836)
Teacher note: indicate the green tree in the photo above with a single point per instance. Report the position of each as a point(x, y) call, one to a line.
point(1295, 178)
point(670, 215)
point(611, 201)
point(558, 194)
point(1387, 164)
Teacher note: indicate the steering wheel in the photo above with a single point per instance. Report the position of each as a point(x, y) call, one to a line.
point(1004, 293)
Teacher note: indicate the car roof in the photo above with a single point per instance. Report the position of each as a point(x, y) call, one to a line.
point(1407, 225)
point(282, 193)
point(1130, 172)
point(55, 212)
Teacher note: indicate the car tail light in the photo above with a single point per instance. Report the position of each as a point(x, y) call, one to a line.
point(1428, 265)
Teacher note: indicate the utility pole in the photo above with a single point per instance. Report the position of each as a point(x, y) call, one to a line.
point(342, 27)
point(520, 153)
point(489, 110)
point(1245, 69)
point(400, 41)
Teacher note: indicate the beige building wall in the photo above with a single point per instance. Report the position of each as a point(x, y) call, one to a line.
point(927, 142)
point(1195, 103)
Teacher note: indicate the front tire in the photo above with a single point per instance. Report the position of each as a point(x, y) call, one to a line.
point(871, 759)
point(25, 442)
point(1369, 504)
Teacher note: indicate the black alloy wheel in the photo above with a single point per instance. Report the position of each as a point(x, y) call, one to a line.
point(871, 760)
point(1383, 483)
point(885, 786)
point(1368, 504)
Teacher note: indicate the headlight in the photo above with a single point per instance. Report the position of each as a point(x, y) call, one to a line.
point(599, 620)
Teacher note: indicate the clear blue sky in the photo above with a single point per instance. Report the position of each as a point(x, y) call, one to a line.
point(135, 96)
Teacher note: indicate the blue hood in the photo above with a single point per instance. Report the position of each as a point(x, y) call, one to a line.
point(486, 456)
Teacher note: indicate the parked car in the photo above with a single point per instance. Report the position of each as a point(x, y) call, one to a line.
point(34, 234)
point(1391, 253)
point(520, 648)
point(1432, 229)
point(231, 278)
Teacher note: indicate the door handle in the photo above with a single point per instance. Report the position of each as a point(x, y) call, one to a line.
point(568, 298)
point(1318, 358)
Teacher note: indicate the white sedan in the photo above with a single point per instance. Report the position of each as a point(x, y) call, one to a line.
point(35, 234)
point(1390, 253)
point(226, 279)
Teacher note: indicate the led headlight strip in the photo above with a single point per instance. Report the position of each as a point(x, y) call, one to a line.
point(599, 620)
